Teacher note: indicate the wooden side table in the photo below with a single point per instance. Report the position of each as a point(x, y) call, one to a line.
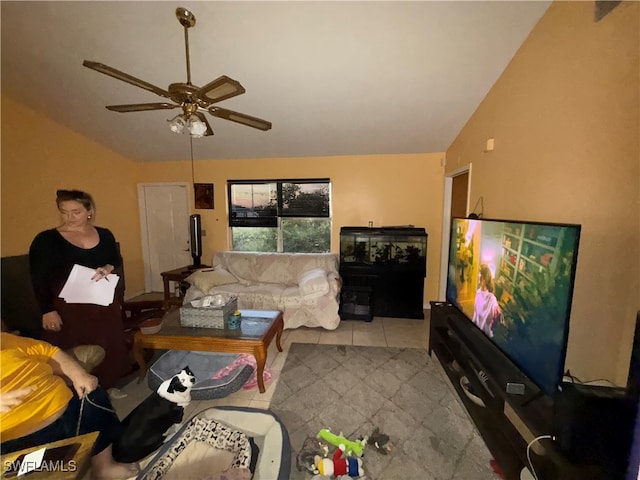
point(176, 275)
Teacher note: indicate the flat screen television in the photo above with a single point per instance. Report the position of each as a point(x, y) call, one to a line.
point(514, 281)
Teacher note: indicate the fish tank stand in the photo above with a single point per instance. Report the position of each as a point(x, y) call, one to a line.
point(383, 271)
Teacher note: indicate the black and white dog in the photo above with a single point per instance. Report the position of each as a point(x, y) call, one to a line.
point(145, 428)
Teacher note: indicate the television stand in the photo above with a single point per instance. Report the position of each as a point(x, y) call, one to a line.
point(515, 411)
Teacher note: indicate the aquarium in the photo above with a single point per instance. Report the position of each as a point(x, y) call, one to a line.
point(383, 271)
point(402, 246)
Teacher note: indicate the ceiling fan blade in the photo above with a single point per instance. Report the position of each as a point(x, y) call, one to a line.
point(125, 77)
point(203, 119)
point(220, 89)
point(248, 120)
point(141, 107)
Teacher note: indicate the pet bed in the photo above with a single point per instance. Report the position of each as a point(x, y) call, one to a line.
point(204, 365)
point(224, 442)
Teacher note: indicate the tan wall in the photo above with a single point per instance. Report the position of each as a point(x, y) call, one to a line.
point(386, 189)
point(565, 118)
point(40, 156)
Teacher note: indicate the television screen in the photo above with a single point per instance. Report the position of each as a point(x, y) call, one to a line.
point(514, 281)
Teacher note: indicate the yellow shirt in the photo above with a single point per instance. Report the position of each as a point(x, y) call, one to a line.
point(24, 362)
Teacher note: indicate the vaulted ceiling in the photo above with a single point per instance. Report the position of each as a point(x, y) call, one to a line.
point(333, 77)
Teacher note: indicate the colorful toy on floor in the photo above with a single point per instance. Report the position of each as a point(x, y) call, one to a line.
point(311, 447)
point(350, 447)
point(340, 464)
point(379, 441)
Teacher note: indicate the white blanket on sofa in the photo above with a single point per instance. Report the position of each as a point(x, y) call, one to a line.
point(305, 286)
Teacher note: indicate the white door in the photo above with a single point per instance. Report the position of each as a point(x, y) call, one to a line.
point(164, 215)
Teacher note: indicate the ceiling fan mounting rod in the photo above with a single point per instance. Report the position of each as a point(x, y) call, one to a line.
point(187, 20)
point(186, 46)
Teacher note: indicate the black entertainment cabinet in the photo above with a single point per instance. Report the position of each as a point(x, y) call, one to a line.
point(383, 271)
point(508, 421)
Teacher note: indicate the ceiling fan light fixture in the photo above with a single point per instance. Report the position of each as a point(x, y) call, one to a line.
point(196, 128)
point(177, 124)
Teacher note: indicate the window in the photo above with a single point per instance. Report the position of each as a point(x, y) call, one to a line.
point(280, 215)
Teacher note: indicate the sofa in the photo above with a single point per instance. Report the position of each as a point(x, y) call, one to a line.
point(305, 286)
point(19, 310)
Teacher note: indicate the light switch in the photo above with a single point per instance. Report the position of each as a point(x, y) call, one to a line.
point(489, 145)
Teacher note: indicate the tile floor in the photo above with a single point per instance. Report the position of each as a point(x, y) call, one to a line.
point(391, 332)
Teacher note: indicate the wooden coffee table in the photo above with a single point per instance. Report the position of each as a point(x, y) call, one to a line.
point(257, 329)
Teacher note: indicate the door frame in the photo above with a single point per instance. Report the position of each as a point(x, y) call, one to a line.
point(144, 234)
point(446, 223)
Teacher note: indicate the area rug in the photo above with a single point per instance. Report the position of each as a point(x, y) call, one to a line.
point(353, 389)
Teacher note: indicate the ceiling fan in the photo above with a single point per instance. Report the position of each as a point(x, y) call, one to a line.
point(192, 99)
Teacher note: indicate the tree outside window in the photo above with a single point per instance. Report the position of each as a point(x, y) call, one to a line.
point(280, 215)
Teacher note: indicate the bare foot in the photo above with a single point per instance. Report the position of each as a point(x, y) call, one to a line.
point(115, 471)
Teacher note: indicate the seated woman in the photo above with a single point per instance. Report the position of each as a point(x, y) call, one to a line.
point(38, 407)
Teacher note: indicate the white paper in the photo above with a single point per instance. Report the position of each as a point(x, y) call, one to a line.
point(31, 461)
point(79, 288)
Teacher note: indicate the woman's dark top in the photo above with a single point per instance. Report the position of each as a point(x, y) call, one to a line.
point(51, 259)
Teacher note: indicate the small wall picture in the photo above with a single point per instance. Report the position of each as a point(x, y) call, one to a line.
point(203, 193)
